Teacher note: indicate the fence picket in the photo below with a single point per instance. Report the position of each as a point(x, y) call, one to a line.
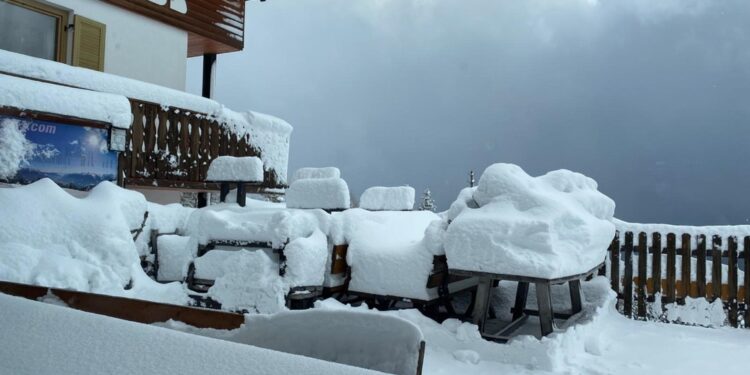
point(701, 266)
point(614, 258)
point(671, 267)
point(732, 280)
point(687, 254)
point(746, 284)
point(716, 268)
point(642, 273)
point(656, 263)
point(628, 282)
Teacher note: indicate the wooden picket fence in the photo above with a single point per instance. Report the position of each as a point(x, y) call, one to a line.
point(635, 284)
point(173, 147)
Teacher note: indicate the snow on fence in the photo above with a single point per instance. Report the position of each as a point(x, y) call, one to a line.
point(173, 147)
point(675, 267)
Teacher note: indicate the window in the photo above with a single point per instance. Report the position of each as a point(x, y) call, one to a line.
point(32, 28)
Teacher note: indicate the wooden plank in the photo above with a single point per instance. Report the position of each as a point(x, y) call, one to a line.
point(746, 284)
point(184, 146)
point(162, 166)
point(732, 281)
point(642, 273)
point(671, 268)
point(614, 257)
point(687, 255)
point(701, 266)
point(149, 165)
point(136, 162)
point(205, 139)
point(193, 165)
point(628, 281)
point(338, 263)
point(130, 309)
point(656, 263)
point(716, 268)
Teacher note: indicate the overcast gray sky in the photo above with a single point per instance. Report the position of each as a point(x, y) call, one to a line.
point(649, 97)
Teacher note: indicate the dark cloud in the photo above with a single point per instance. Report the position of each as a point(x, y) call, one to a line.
point(650, 98)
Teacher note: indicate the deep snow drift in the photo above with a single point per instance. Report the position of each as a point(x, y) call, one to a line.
point(549, 226)
point(50, 238)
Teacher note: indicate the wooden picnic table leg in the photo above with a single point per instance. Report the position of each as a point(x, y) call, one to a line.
point(575, 296)
point(482, 302)
point(544, 303)
point(522, 292)
point(224, 192)
point(241, 198)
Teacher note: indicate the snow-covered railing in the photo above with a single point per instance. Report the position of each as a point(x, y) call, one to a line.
point(675, 264)
point(173, 147)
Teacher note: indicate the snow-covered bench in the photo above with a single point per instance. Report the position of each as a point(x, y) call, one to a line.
point(386, 261)
point(240, 171)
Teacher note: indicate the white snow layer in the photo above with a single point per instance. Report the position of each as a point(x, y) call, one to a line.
point(50, 238)
point(308, 172)
point(231, 168)
point(44, 97)
point(355, 337)
point(49, 339)
point(269, 134)
point(175, 254)
point(724, 231)
point(325, 193)
point(14, 148)
point(387, 254)
point(549, 226)
point(380, 198)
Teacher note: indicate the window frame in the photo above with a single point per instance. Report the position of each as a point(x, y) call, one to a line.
point(62, 16)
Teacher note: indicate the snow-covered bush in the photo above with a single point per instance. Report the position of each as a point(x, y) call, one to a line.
point(553, 225)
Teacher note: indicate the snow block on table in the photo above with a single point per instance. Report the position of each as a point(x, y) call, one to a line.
point(231, 168)
point(387, 254)
point(549, 226)
point(380, 198)
point(316, 173)
point(175, 254)
point(325, 193)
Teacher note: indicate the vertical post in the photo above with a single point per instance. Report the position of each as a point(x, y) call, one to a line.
point(224, 186)
point(209, 75)
point(482, 302)
point(544, 301)
point(687, 255)
point(671, 267)
point(656, 263)
point(701, 266)
point(576, 303)
point(642, 273)
point(628, 283)
point(522, 293)
point(209, 78)
point(614, 263)
point(746, 254)
point(241, 194)
point(732, 280)
point(716, 267)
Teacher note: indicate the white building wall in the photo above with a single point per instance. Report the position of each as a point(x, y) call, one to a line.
point(137, 46)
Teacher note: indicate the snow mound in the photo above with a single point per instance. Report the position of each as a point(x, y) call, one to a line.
point(325, 193)
point(273, 225)
point(175, 254)
point(387, 254)
point(50, 238)
point(76, 342)
point(325, 172)
point(549, 226)
point(306, 259)
point(379, 198)
point(44, 97)
point(231, 168)
point(250, 282)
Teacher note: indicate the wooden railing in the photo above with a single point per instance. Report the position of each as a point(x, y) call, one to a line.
point(644, 266)
point(172, 148)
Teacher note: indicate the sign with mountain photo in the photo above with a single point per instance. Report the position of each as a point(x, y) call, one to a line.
point(74, 157)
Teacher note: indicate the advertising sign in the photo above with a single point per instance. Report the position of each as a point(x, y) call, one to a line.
point(75, 157)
